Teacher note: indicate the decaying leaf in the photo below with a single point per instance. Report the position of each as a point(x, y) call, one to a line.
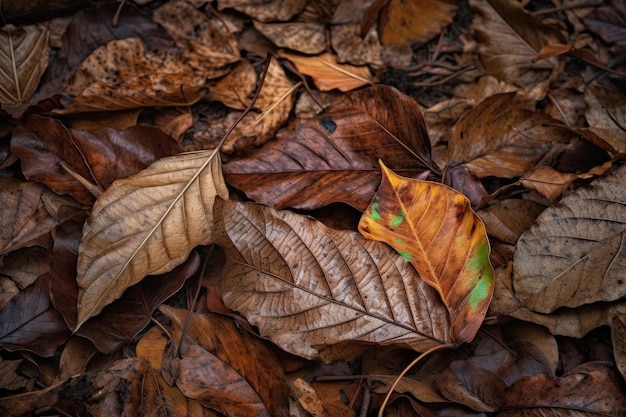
point(121, 75)
point(334, 156)
point(434, 227)
point(24, 54)
point(316, 292)
point(146, 224)
point(574, 254)
point(606, 115)
point(406, 21)
point(328, 74)
point(509, 38)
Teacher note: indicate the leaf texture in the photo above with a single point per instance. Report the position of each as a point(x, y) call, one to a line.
point(334, 157)
point(575, 253)
point(310, 288)
point(146, 224)
point(434, 227)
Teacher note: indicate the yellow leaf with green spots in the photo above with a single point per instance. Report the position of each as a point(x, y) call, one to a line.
point(434, 227)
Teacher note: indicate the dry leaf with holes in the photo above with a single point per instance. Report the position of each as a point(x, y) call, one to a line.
point(24, 54)
point(328, 74)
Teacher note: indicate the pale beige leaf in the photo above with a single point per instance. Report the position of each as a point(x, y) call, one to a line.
point(606, 115)
point(304, 37)
point(23, 59)
point(327, 74)
point(146, 224)
point(122, 75)
point(310, 288)
point(508, 40)
point(575, 253)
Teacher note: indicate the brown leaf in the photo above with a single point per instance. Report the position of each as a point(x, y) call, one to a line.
point(236, 88)
point(606, 115)
point(573, 255)
point(24, 266)
point(55, 155)
point(508, 219)
point(29, 322)
point(592, 388)
point(303, 37)
point(328, 74)
point(618, 337)
point(310, 288)
point(146, 224)
point(121, 75)
point(266, 10)
point(244, 353)
point(334, 157)
point(501, 139)
point(409, 21)
point(353, 48)
point(508, 40)
point(24, 54)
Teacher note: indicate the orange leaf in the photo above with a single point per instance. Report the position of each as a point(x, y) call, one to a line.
point(434, 227)
point(406, 21)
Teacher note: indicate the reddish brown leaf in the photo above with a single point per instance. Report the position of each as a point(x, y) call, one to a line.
point(30, 322)
point(334, 157)
point(50, 153)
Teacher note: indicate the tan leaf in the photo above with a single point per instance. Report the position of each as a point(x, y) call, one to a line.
point(508, 219)
point(499, 138)
point(509, 39)
point(23, 59)
point(606, 115)
point(146, 224)
point(121, 75)
point(574, 254)
point(547, 181)
point(266, 10)
point(236, 88)
point(304, 37)
point(355, 49)
point(310, 288)
point(327, 74)
point(405, 21)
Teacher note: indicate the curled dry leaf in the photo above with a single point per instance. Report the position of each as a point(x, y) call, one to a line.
point(121, 75)
point(434, 227)
point(406, 21)
point(328, 74)
point(334, 157)
point(574, 254)
point(509, 39)
point(499, 138)
point(23, 59)
point(315, 291)
point(146, 224)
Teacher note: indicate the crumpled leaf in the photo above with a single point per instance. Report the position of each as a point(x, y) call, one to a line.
point(121, 75)
point(328, 74)
point(24, 54)
point(508, 40)
point(434, 227)
point(316, 292)
point(334, 156)
point(499, 138)
point(574, 254)
point(146, 224)
point(100, 156)
point(406, 21)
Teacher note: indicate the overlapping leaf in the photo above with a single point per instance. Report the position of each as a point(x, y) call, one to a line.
point(146, 224)
point(575, 252)
point(316, 291)
point(334, 157)
point(434, 227)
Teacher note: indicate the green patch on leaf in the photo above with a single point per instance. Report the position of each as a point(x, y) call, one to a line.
point(375, 214)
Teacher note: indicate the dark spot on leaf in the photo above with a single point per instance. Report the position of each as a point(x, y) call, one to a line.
point(328, 124)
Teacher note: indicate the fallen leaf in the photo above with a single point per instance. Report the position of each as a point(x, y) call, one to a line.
point(24, 54)
point(316, 291)
point(308, 398)
point(333, 157)
point(508, 40)
point(122, 75)
point(236, 88)
point(606, 115)
point(499, 138)
point(352, 48)
point(547, 181)
point(24, 266)
point(328, 74)
point(508, 219)
point(303, 37)
point(146, 224)
point(29, 322)
point(573, 254)
point(266, 10)
point(57, 156)
point(618, 337)
point(434, 227)
point(407, 21)
point(608, 21)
